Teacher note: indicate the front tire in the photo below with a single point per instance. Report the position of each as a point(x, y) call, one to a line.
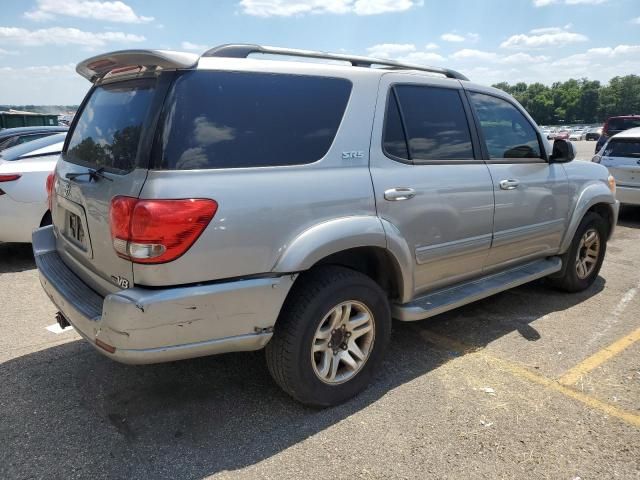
point(330, 337)
point(584, 258)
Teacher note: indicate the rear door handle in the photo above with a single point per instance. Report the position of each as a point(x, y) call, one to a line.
point(510, 184)
point(399, 193)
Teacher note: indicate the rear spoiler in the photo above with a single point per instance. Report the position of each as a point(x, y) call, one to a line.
point(95, 68)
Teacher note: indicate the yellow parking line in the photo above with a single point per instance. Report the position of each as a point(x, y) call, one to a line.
point(572, 375)
point(522, 372)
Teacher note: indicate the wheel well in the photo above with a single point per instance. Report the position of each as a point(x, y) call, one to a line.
point(375, 262)
point(46, 219)
point(604, 210)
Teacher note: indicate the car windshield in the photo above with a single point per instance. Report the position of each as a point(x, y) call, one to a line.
point(36, 147)
point(623, 148)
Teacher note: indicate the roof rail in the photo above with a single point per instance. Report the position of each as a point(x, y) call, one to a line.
point(242, 50)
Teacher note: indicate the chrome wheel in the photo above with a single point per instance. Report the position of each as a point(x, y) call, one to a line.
point(343, 342)
point(588, 252)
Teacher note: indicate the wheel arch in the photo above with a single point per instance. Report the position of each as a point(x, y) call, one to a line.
point(596, 197)
point(361, 243)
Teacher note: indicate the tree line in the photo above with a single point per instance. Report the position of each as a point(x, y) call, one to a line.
point(577, 101)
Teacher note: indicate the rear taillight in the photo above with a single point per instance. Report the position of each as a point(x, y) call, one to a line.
point(157, 231)
point(49, 187)
point(10, 177)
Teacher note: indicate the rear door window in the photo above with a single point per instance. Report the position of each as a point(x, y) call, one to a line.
point(218, 119)
point(109, 128)
point(506, 131)
point(434, 121)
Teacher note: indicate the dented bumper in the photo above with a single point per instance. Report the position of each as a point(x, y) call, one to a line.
point(160, 325)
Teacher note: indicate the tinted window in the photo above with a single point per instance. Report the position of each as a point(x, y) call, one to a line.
point(623, 148)
point(435, 123)
point(507, 132)
point(394, 141)
point(108, 131)
point(233, 119)
point(622, 123)
point(29, 138)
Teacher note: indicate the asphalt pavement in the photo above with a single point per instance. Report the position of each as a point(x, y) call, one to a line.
point(532, 383)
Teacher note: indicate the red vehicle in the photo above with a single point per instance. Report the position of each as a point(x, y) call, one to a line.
point(615, 125)
point(562, 135)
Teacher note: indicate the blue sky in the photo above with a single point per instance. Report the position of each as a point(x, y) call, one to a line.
point(488, 40)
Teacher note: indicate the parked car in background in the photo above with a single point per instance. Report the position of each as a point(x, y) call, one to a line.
point(615, 125)
point(23, 191)
point(576, 134)
point(562, 135)
point(621, 156)
point(593, 133)
point(11, 137)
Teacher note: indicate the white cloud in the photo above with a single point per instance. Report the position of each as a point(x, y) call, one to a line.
point(431, 46)
point(288, 8)
point(543, 38)
point(636, 20)
point(455, 37)
point(64, 36)
point(388, 50)
point(452, 37)
point(404, 52)
point(426, 58)
point(520, 58)
point(194, 46)
point(544, 3)
point(116, 11)
point(45, 85)
point(7, 52)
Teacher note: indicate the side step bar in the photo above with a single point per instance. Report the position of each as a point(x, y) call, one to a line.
point(449, 298)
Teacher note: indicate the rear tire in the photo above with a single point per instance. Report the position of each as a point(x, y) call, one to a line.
point(329, 304)
point(584, 258)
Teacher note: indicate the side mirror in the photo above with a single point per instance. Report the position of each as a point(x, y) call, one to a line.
point(563, 151)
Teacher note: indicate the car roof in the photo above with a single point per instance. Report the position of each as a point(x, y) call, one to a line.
point(630, 133)
point(7, 132)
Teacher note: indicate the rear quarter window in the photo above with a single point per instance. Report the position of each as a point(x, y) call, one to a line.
point(218, 119)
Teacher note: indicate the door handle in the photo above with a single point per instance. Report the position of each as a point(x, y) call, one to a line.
point(510, 184)
point(399, 193)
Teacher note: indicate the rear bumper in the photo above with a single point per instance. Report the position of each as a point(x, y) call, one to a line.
point(628, 195)
point(162, 325)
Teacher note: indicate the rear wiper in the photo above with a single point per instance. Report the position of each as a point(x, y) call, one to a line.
point(94, 175)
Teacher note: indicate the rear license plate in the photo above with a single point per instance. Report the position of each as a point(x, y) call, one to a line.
point(76, 230)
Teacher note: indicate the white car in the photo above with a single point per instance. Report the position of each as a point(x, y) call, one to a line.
point(23, 187)
point(576, 134)
point(621, 155)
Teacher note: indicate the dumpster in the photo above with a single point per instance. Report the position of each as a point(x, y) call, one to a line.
point(14, 118)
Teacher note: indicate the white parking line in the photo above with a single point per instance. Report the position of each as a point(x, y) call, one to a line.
point(55, 328)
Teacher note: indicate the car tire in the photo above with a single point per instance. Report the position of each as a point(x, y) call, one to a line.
point(321, 302)
point(582, 264)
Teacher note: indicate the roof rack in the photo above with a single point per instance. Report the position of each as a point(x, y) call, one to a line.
point(241, 50)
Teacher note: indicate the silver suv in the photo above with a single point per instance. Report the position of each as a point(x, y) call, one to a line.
point(223, 203)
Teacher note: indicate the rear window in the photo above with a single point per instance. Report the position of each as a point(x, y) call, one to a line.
point(108, 131)
point(623, 123)
point(234, 119)
point(623, 148)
